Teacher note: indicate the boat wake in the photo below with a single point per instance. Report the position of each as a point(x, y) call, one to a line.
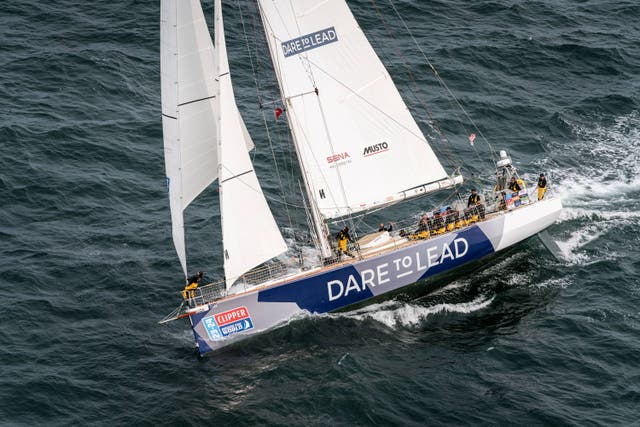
point(600, 193)
point(395, 315)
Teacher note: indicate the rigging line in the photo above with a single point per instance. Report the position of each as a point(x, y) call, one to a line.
point(433, 123)
point(420, 99)
point(302, 57)
point(284, 202)
point(442, 81)
point(420, 136)
point(264, 119)
point(253, 68)
point(317, 219)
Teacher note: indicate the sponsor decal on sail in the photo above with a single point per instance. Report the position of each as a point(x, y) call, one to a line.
point(339, 159)
point(227, 323)
point(309, 41)
point(375, 149)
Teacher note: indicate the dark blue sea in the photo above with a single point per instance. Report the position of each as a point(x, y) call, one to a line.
point(87, 266)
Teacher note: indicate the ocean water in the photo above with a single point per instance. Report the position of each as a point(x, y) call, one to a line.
point(87, 266)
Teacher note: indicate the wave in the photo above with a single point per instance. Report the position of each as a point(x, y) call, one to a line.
point(609, 162)
point(599, 187)
point(411, 315)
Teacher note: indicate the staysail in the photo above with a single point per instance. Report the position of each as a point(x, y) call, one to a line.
point(359, 146)
point(250, 234)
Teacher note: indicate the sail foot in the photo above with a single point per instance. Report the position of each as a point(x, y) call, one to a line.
point(421, 190)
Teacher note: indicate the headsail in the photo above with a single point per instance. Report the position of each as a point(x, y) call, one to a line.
point(250, 234)
point(189, 109)
point(359, 145)
point(188, 91)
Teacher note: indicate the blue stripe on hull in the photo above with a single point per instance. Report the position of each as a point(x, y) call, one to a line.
point(314, 294)
point(347, 284)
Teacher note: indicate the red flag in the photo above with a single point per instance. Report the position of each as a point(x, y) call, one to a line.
point(472, 138)
point(278, 113)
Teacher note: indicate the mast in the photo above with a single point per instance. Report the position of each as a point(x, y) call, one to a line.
point(320, 228)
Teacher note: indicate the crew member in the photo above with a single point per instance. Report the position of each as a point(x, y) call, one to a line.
point(383, 228)
point(450, 220)
point(189, 291)
point(343, 237)
point(502, 203)
point(422, 232)
point(474, 198)
point(513, 185)
point(438, 222)
point(475, 205)
point(542, 186)
point(423, 225)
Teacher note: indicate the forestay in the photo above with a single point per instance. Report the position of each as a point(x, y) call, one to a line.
point(249, 232)
point(359, 146)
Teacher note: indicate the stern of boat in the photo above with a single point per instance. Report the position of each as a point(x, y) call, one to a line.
point(526, 221)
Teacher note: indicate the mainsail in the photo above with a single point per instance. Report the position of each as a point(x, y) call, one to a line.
point(205, 138)
point(250, 234)
point(359, 146)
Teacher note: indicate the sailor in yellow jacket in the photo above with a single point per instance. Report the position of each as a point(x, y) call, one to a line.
point(542, 186)
point(343, 237)
point(189, 291)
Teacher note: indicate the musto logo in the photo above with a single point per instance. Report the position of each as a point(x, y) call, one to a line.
point(227, 323)
point(410, 264)
point(375, 149)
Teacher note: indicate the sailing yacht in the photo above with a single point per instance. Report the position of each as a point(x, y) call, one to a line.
point(359, 150)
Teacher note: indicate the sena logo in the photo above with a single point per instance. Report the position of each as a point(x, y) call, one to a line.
point(375, 149)
point(337, 157)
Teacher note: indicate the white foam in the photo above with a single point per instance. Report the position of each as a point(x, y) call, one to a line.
point(458, 284)
point(609, 161)
point(557, 282)
point(594, 213)
point(577, 240)
point(598, 195)
point(410, 315)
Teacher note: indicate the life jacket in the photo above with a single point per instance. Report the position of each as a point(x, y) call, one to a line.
point(419, 235)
